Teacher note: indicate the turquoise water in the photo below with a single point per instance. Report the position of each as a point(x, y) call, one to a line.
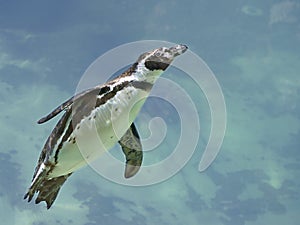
point(253, 50)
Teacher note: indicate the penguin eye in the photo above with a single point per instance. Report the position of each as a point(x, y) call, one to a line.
point(157, 54)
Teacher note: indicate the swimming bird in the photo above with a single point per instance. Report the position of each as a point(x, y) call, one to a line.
point(109, 110)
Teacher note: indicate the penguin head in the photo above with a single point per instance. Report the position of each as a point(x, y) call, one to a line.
point(161, 58)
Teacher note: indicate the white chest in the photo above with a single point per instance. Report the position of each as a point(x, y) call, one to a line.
point(100, 130)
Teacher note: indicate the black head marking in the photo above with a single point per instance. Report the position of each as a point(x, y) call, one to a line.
point(161, 58)
point(155, 65)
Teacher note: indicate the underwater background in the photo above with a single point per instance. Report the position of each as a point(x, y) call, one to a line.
point(253, 48)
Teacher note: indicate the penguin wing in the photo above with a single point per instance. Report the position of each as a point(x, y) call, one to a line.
point(132, 148)
point(87, 98)
point(56, 111)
